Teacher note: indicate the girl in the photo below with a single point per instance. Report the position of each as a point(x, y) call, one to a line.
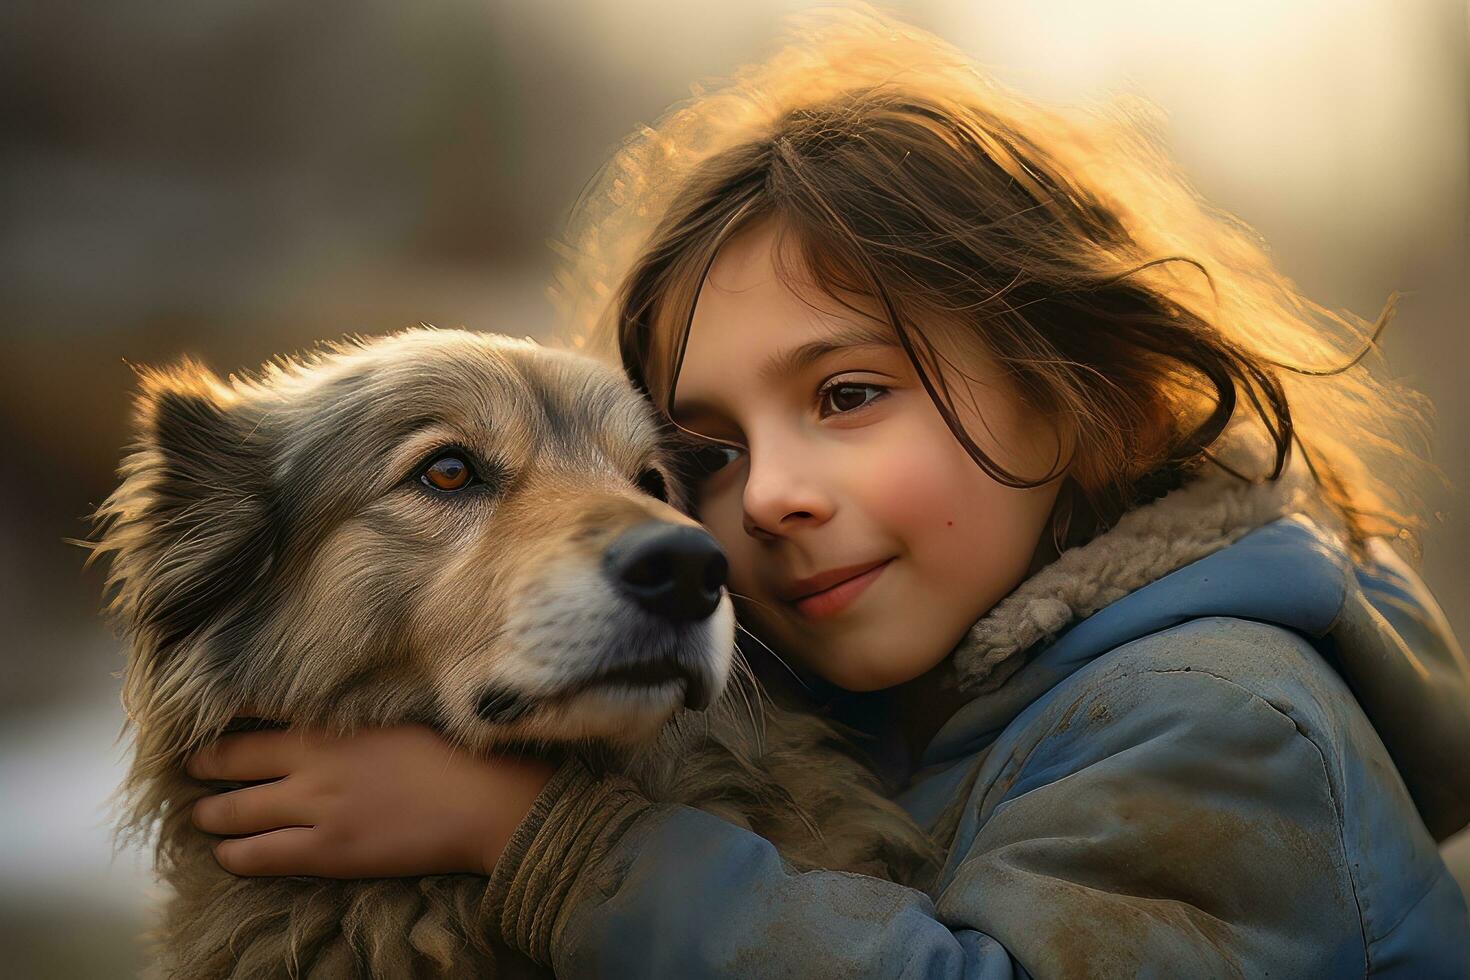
point(1016, 455)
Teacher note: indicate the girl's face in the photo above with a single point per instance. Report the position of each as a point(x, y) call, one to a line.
point(864, 538)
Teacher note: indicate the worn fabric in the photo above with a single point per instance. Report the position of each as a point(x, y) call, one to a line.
point(1220, 504)
point(1175, 777)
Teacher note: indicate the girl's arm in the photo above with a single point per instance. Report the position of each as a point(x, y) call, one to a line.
point(1164, 816)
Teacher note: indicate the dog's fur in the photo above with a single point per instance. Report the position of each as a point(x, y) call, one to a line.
point(272, 544)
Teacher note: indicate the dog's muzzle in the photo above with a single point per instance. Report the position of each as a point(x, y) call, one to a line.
point(672, 572)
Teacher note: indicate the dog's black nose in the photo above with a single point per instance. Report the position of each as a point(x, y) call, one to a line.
point(672, 570)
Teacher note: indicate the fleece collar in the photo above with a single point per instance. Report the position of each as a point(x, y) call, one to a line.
point(1201, 517)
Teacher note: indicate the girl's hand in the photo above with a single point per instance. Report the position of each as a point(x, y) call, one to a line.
point(381, 803)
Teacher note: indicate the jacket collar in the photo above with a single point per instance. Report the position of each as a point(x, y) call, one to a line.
point(1205, 515)
point(1288, 572)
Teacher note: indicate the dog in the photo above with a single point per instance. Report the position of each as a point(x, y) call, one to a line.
point(467, 531)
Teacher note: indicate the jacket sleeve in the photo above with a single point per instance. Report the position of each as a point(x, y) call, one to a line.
point(1159, 823)
point(1393, 644)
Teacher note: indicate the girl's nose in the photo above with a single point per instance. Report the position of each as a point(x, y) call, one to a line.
point(780, 493)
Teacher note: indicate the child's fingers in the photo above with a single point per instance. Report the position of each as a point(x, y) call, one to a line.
point(246, 756)
point(287, 851)
point(251, 810)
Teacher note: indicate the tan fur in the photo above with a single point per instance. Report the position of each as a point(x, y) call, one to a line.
point(270, 545)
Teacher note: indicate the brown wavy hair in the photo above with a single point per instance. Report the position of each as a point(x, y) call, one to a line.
point(1067, 247)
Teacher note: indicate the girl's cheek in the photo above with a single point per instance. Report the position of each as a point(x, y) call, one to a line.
point(722, 516)
point(907, 485)
point(958, 526)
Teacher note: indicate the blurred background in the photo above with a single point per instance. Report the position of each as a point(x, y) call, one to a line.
point(238, 178)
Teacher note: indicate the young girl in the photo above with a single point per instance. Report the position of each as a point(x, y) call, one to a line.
point(1020, 462)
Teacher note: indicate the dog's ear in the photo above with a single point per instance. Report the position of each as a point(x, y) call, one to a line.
point(189, 528)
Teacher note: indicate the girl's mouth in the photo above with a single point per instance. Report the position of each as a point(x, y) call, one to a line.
point(830, 602)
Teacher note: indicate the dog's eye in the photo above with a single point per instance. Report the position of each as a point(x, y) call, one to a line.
point(651, 482)
point(448, 473)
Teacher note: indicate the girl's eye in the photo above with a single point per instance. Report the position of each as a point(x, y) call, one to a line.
point(700, 461)
point(849, 396)
point(447, 473)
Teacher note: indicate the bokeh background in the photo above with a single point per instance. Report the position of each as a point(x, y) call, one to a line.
point(236, 178)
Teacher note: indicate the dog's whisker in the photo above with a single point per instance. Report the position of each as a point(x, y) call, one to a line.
point(757, 711)
point(750, 599)
point(740, 678)
point(775, 655)
point(743, 665)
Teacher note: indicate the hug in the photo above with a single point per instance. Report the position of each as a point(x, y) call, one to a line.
point(957, 551)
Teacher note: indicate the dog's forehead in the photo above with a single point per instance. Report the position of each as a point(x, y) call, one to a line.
point(512, 391)
point(581, 403)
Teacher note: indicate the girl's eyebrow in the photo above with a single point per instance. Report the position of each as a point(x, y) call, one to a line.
point(784, 364)
point(860, 334)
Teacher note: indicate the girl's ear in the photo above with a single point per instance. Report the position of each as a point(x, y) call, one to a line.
point(189, 528)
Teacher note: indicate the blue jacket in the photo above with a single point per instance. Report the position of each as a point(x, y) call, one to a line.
point(1182, 784)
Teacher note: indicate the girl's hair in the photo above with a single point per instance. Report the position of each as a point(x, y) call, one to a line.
point(1068, 249)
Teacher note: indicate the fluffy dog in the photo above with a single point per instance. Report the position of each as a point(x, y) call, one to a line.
point(466, 531)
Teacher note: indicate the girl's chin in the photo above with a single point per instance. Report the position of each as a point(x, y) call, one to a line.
point(862, 672)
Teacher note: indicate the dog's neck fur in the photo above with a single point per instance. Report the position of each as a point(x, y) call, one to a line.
point(1204, 515)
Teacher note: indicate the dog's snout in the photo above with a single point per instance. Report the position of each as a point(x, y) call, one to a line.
point(671, 570)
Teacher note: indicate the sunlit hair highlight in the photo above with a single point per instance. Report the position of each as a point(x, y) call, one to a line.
point(1064, 246)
